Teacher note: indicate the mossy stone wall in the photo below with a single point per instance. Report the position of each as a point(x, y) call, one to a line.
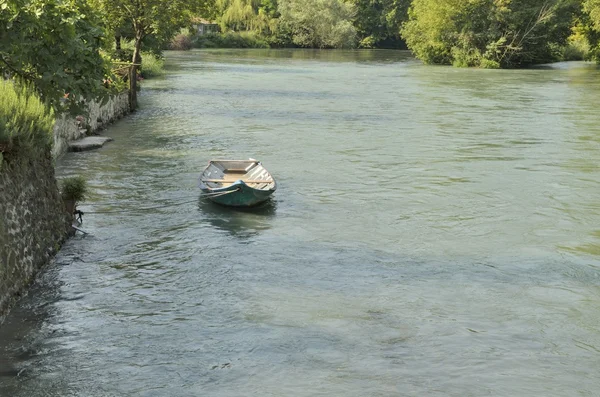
point(33, 222)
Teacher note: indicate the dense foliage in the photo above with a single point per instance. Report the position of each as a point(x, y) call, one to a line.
point(149, 22)
point(489, 33)
point(592, 18)
point(378, 22)
point(230, 40)
point(25, 122)
point(592, 7)
point(312, 23)
point(54, 44)
point(246, 15)
point(331, 29)
point(480, 33)
point(181, 42)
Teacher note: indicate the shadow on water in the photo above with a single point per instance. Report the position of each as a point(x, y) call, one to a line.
point(239, 222)
point(19, 350)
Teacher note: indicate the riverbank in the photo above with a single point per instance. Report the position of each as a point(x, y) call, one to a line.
point(98, 116)
point(33, 219)
point(33, 223)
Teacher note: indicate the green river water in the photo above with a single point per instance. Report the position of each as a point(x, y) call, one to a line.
point(436, 232)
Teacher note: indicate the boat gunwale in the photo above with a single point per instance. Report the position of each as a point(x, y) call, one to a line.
point(237, 183)
point(271, 185)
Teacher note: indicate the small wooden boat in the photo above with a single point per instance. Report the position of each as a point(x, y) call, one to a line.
point(237, 183)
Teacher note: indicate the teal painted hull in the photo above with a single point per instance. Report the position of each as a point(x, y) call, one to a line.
point(241, 195)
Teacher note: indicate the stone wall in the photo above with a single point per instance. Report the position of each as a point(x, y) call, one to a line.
point(33, 222)
point(69, 128)
point(33, 218)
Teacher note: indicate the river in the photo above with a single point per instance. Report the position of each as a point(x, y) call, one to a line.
point(435, 232)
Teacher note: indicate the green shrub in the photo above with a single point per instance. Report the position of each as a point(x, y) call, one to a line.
point(368, 42)
point(73, 189)
point(575, 50)
point(123, 55)
point(230, 40)
point(464, 57)
point(181, 42)
point(509, 33)
point(152, 66)
point(25, 122)
point(489, 64)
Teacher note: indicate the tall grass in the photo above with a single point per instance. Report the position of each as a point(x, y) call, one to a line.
point(25, 122)
point(151, 65)
point(74, 188)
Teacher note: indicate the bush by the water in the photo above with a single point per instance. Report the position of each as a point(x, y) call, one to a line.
point(25, 122)
point(73, 189)
point(489, 34)
point(577, 47)
point(152, 62)
point(181, 42)
point(230, 40)
point(575, 51)
point(152, 65)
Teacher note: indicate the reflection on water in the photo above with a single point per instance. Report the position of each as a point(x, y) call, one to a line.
point(240, 222)
point(434, 233)
point(24, 336)
point(282, 58)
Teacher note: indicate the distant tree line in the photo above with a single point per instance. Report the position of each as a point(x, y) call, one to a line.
point(315, 23)
point(66, 50)
point(478, 33)
point(497, 33)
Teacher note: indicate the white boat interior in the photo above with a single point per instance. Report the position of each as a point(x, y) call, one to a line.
point(223, 173)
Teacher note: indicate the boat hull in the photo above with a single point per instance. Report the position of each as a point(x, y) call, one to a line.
point(237, 194)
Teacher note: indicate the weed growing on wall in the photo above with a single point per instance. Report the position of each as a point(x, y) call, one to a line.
point(73, 189)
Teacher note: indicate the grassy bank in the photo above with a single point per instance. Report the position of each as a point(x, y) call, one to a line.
point(152, 66)
point(25, 122)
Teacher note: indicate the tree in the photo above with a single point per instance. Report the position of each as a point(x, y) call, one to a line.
point(489, 33)
point(53, 44)
point(158, 19)
point(255, 16)
point(378, 22)
point(246, 15)
point(318, 23)
point(592, 26)
point(592, 7)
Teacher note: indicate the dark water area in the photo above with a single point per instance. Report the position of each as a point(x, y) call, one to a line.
point(434, 233)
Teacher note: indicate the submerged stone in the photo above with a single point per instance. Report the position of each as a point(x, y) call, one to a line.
point(88, 143)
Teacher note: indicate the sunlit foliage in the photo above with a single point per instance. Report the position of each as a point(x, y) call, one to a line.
point(378, 22)
point(54, 45)
point(592, 17)
point(318, 23)
point(25, 122)
point(489, 33)
point(255, 16)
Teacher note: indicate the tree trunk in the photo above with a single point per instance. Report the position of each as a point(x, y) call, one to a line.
point(133, 73)
point(118, 42)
